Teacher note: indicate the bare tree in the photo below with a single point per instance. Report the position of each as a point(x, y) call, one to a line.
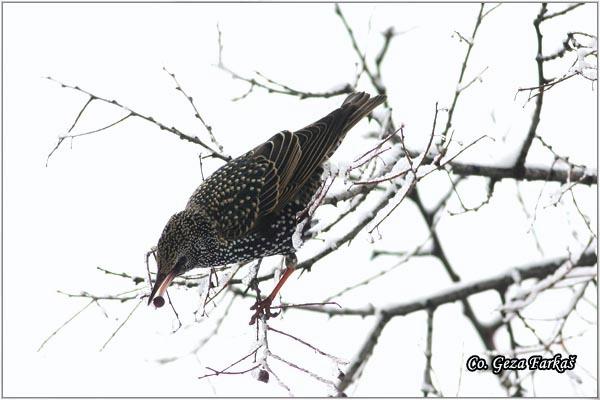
point(370, 188)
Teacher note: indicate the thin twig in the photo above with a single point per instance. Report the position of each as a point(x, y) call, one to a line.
point(457, 92)
point(121, 325)
point(271, 86)
point(132, 113)
point(375, 80)
point(225, 370)
point(64, 324)
point(334, 358)
point(189, 98)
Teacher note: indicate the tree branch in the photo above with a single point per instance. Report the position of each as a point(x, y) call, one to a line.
point(535, 119)
point(132, 113)
point(364, 353)
point(462, 291)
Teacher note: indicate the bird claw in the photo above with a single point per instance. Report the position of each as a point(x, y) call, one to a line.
point(262, 308)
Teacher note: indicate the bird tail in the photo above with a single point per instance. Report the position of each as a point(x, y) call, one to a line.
point(317, 142)
point(359, 105)
point(356, 106)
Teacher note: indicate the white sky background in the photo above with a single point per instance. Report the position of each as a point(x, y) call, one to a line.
point(105, 201)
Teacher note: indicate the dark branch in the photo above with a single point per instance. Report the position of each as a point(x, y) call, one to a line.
point(535, 119)
point(364, 353)
point(132, 113)
point(462, 291)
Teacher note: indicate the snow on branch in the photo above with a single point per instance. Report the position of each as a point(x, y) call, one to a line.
point(464, 289)
point(387, 174)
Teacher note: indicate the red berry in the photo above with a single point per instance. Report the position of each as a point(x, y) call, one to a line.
point(263, 376)
point(158, 301)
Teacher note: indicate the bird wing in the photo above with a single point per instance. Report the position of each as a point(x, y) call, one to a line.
point(238, 195)
point(319, 141)
point(246, 191)
point(316, 142)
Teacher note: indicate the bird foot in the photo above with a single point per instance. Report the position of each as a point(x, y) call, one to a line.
point(262, 308)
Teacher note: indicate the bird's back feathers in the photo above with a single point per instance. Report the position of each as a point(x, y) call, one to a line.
point(250, 189)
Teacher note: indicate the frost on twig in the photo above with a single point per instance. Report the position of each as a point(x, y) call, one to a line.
point(361, 195)
point(259, 361)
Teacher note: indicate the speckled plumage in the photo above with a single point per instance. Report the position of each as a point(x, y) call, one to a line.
point(248, 208)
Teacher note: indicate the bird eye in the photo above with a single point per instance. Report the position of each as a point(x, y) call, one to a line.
point(180, 265)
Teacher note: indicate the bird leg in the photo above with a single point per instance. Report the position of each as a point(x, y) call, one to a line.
point(263, 307)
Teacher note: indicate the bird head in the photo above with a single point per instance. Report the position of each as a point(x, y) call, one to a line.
point(175, 253)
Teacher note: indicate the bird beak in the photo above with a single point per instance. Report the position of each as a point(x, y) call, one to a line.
point(160, 285)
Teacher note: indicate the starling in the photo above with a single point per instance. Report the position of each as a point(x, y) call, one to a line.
point(249, 207)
